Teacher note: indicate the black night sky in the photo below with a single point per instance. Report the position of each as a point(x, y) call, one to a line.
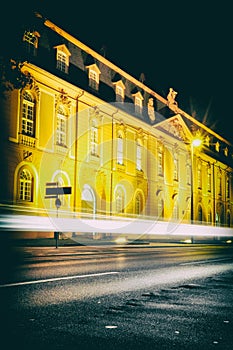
point(185, 45)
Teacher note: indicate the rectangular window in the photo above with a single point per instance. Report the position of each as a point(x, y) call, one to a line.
point(28, 110)
point(119, 94)
point(188, 174)
point(138, 105)
point(119, 150)
point(139, 157)
point(94, 139)
point(199, 177)
point(176, 169)
point(208, 179)
point(160, 163)
point(61, 62)
point(227, 188)
point(61, 130)
point(93, 80)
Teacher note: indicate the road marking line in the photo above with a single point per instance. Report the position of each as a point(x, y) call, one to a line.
point(57, 279)
point(205, 261)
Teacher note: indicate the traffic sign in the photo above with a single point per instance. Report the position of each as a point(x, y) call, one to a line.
point(57, 190)
point(51, 183)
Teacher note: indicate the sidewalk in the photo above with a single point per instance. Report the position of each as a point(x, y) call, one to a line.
point(84, 241)
point(82, 245)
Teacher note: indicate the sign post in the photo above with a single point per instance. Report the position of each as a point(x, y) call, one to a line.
point(53, 191)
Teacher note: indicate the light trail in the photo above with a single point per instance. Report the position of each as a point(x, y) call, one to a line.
point(205, 261)
point(57, 279)
point(108, 224)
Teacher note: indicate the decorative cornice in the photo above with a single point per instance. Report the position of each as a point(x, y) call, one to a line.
point(62, 98)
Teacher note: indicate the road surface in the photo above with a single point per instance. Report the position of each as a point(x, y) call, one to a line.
point(155, 297)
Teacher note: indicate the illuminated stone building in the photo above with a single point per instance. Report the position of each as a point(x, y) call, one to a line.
point(78, 120)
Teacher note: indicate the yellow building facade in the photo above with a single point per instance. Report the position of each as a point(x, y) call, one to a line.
point(80, 122)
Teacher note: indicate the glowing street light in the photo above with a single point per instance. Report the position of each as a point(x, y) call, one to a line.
point(196, 142)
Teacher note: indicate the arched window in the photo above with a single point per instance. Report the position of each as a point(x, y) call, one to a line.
point(138, 204)
point(28, 114)
point(61, 183)
point(120, 200)
point(25, 186)
point(31, 41)
point(160, 208)
point(175, 212)
point(200, 214)
point(88, 200)
point(228, 219)
point(209, 218)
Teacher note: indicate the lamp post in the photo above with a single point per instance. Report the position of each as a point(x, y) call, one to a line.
point(196, 142)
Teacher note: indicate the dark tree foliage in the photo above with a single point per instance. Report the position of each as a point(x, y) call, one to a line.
point(11, 75)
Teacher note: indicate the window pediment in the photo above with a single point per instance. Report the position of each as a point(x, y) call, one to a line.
point(120, 84)
point(62, 48)
point(138, 95)
point(119, 90)
point(94, 67)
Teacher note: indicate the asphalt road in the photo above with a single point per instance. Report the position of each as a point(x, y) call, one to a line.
point(178, 297)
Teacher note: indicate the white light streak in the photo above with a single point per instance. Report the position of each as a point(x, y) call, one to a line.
point(205, 261)
point(109, 224)
point(57, 279)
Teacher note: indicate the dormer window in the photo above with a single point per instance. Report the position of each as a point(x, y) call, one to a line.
point(120, 91)
point(138, 105)
point(138, 98)
point(31, 41)
point(119, 94)
point(93, 80)
point(93, 76)
point(63, 58)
